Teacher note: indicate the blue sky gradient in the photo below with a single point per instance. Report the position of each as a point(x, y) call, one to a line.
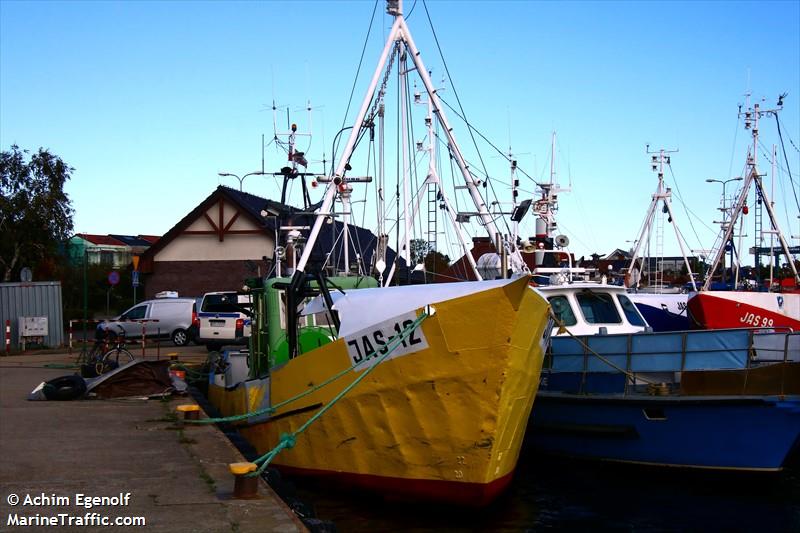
point(150, 100)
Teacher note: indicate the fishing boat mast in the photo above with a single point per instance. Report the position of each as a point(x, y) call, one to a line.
point(400, 41)
point(751, 118)
point(432, 180)
point(663, 195)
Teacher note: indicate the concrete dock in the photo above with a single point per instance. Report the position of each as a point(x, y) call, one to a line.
point(55, 455)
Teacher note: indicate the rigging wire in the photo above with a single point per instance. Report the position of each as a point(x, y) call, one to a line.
point(412, 10)
point(783, 147)
point(733, 148)
point(482, 136)
point(360, 61)
point(455, 92)
point(685, 207)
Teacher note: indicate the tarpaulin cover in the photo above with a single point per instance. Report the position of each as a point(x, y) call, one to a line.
point(365, 307)
point(653, 352)
point(137, 378)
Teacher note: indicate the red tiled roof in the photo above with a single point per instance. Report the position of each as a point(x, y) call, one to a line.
point(101, 239)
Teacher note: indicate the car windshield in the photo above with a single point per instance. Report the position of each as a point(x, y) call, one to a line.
point(631, 313)
point(222, 303)
point(598, 307)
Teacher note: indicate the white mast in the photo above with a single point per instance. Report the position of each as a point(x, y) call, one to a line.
point(662, 195)
point(336, 181)
point(407, 209)
point(433, 179)
point(751, 122)
point(400, 36)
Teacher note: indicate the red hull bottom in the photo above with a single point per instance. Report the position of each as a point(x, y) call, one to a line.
point(710, 312)
point(426, 490)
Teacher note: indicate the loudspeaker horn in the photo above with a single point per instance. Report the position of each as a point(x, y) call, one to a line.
point(562, 241)
point(528, 247)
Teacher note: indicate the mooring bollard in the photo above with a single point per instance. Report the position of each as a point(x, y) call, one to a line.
point(190, 411)
point(244, 486)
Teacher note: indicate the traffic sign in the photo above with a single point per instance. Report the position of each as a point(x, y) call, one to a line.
point(135, 278)
point(113, 277)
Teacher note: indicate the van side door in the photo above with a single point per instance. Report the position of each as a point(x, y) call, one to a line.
point(130, 319)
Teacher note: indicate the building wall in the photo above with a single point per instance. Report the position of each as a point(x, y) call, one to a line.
point(209, 248)
point(32, 299)
point(195, 278)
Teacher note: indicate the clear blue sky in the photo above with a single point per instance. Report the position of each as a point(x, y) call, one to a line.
point(150, 100)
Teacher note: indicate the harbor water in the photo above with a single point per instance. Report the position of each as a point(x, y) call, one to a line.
point(564, 494)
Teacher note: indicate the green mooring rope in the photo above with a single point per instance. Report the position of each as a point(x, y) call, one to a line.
point(288, 440)
point(270, 410)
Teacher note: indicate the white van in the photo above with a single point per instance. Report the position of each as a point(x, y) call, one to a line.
point(171, 317)
point(223, 320)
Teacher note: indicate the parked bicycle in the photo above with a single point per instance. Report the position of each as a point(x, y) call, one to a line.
point(108, 353)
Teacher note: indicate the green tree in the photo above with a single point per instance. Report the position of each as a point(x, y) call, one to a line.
point(35, 212)
point(436, 262)
point(419, 250)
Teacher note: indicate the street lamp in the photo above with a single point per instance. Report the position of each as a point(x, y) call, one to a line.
point(724, 210)
point(256, 173)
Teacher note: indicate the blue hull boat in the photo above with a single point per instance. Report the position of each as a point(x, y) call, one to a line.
point(725, 399)
point(663, 312)
point(732, 432)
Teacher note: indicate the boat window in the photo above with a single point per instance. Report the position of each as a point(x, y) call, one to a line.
point(631, 313)
point(598, 307)
point(562, 310)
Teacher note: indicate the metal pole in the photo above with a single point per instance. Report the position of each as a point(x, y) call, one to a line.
point(404, 133)
point(85, 293)
point(330, 192)
point(486, 218)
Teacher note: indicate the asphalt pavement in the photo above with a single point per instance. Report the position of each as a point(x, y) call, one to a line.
point(56, 456)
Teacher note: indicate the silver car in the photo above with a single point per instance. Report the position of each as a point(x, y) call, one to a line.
point(174, 318)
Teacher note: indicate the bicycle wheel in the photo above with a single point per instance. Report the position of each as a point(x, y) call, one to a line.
point(90, 355)
point(112, 359)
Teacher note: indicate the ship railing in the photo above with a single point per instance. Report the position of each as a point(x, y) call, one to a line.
point(630, 363)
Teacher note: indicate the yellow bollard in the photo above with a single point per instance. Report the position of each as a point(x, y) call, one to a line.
point(190, 411)
point(244, 486)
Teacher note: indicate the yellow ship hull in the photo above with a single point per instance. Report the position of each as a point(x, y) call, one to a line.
point(442, 423)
